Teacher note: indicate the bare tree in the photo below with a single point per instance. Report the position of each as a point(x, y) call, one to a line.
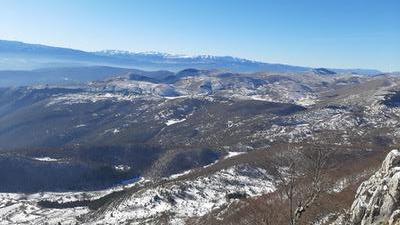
point(301, 178)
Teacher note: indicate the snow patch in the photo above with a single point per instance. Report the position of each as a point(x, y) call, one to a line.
point(174, 176)
point(174, 121)
point(122, 167)
point(116, 131)
point(46, 159)
point(233, 154)
point(306, 101)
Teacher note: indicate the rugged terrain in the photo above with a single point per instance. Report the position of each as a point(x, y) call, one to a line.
point(377, 199)
point(194, 146)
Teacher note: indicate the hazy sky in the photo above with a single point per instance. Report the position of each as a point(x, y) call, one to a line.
point(326, 33)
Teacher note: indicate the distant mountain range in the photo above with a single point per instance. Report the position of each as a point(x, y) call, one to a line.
point(22, 56)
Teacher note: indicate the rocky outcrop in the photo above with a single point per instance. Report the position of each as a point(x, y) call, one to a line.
point(378, 199)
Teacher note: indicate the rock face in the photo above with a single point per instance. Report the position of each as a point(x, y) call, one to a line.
point(377, 199)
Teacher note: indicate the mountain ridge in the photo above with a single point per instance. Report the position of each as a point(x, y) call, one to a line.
point(16, 55)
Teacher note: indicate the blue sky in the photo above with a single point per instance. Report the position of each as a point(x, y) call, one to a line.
point(326, 33)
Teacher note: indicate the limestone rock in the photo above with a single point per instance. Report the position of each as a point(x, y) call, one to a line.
point(377, 199)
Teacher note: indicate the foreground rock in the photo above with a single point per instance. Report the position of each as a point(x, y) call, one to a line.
point(377, 199)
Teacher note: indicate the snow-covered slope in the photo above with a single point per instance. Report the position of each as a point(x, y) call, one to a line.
point(177, 200)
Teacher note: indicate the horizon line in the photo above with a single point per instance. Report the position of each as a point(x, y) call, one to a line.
point(191, 56)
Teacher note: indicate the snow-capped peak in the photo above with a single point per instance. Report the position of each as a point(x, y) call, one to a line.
point(169, 55)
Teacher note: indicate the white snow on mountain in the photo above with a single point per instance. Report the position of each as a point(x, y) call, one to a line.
point(233, 154)
point(46, 159)
point(174, 121)
point(189, 198)
point(180, 199)
point(123, 53)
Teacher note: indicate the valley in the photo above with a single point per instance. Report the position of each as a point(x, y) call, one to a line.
point(182, 147)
